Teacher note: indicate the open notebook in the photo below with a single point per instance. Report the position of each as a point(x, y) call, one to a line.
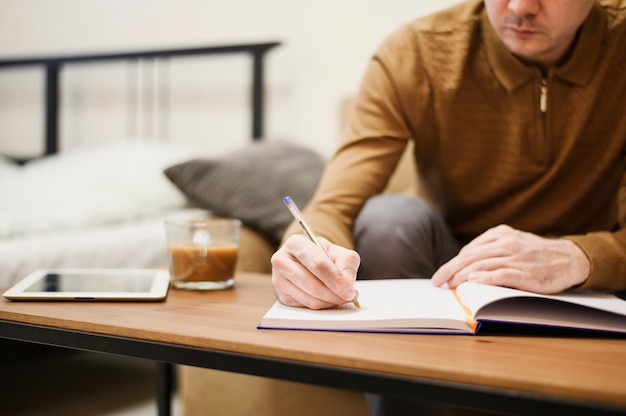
point(416, 306)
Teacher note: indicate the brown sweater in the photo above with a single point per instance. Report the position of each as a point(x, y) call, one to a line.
point(487, 152)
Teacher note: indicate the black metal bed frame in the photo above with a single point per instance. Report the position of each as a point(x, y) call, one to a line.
point(54, 64)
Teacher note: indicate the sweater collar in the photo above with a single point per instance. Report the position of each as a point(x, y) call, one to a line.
point(577, 70)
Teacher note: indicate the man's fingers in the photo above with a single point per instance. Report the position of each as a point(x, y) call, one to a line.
point(485, 255)
point(305, 275)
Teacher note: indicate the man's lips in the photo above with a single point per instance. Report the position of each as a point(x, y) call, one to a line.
point(522, 32)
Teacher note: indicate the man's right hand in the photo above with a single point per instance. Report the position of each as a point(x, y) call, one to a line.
point(305, 276)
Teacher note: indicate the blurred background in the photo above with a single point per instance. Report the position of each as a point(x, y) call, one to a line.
point(325, 47)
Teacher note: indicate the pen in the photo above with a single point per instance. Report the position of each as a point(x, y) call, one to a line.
point(295, 211)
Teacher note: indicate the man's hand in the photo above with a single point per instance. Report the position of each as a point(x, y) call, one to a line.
point(303, 275)
point(503, 256)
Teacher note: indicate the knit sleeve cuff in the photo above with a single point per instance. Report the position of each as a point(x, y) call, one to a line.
point(608, 261)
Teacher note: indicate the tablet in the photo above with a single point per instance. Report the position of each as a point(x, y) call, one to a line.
point(92, 285)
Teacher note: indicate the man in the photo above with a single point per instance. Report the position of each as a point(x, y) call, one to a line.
point(517, 110)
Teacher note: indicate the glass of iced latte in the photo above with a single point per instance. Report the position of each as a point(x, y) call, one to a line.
point(202, 252)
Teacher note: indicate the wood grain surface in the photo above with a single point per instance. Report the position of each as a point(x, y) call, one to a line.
point(581, 368)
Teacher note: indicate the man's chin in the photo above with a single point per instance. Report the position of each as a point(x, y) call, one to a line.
point(525, 51)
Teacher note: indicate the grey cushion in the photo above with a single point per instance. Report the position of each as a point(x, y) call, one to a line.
point(250, 183)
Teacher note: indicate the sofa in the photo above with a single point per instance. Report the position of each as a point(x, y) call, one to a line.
point(201, 390)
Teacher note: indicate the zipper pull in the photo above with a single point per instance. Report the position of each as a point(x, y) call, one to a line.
point(543, 98)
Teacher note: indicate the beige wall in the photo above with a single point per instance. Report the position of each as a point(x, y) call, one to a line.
point(326, 44)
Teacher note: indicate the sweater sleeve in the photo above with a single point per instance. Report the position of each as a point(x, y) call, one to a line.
point(374, 140)
point(607, 253)
point(356, 172)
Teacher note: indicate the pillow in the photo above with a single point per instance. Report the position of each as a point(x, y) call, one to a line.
point(94, 185)
point(251, 183)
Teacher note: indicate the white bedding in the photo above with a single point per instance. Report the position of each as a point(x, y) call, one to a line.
point(139, 243)
point(101, 206)
point(90, 186)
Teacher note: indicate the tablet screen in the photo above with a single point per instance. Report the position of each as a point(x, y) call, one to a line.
point(80, 282)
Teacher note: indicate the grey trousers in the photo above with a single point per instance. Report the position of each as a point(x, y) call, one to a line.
point(399, 236)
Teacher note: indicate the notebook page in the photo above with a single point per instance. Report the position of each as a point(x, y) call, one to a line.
point(389, 303)
point(476, 295)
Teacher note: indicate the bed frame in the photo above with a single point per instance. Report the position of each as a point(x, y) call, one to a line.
point(54, 64)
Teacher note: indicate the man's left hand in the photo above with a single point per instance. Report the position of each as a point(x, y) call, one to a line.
point(504, 256)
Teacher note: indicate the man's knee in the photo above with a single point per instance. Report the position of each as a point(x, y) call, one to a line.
point(401, 236)
point(394, 216)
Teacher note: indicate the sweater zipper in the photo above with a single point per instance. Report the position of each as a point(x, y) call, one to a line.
point(543, 108)
point(543, 97)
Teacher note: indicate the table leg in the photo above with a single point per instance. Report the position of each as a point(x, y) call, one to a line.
point(165, 381)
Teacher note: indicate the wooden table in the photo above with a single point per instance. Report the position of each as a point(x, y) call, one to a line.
point(521, 373)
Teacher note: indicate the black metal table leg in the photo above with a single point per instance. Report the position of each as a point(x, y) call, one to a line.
point(165, 378)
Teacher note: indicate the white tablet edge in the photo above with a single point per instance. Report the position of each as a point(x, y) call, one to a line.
point(158, 290)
